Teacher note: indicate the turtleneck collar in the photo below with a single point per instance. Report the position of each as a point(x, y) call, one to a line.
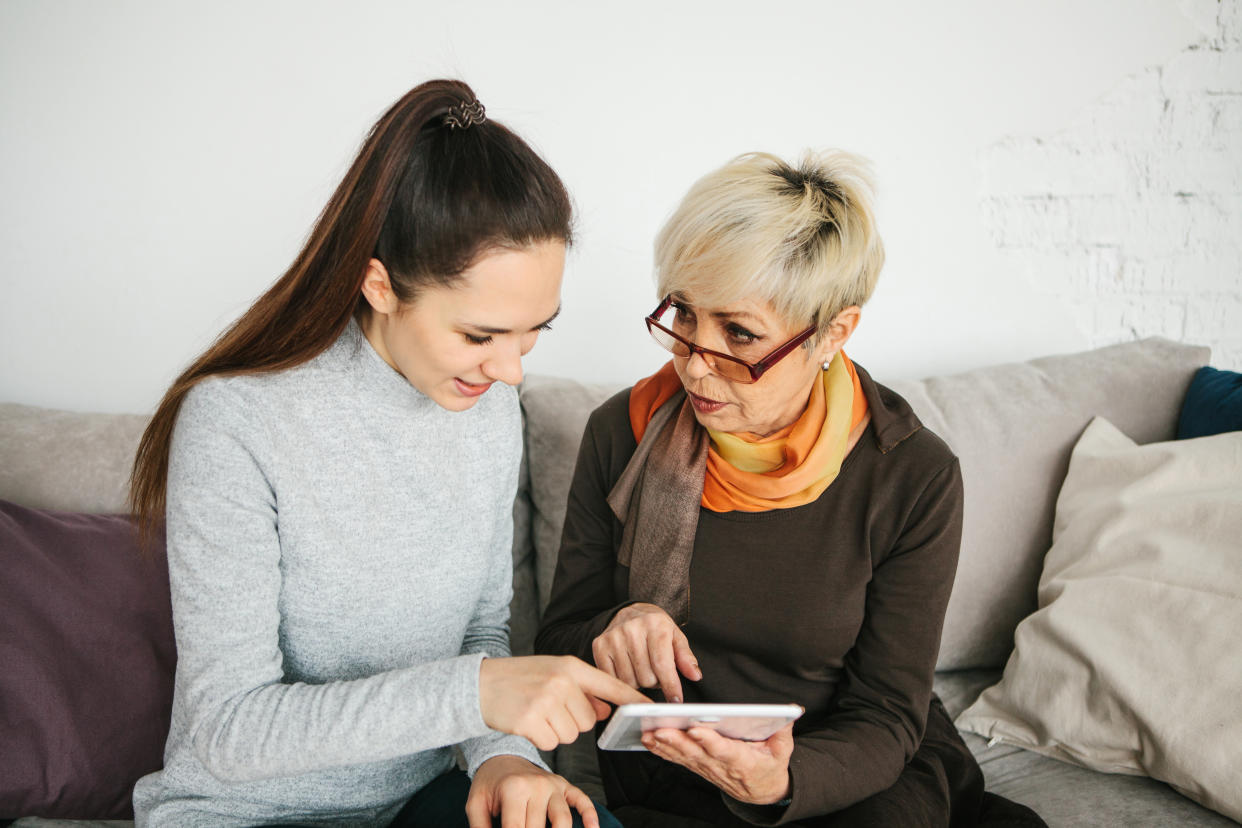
point(353, 352)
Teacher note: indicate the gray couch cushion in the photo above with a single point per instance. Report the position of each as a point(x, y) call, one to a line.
point(958, 689)
point(1064, 794)
point(1013, 427)
point(65, 460)
point(555, 412)
point(1073, 797)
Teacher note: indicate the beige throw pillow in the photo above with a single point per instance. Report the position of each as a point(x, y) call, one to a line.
point(1133, 661)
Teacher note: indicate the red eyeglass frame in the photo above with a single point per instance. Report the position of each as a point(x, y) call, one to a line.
point(754, 369)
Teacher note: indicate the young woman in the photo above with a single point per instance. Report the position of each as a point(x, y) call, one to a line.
point(337, 474)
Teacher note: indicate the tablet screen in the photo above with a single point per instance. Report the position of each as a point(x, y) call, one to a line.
point(750, 722)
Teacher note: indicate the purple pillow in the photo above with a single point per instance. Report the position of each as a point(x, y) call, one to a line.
point(86, 663)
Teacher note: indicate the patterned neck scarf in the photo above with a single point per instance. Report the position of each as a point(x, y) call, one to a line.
point(680, 466)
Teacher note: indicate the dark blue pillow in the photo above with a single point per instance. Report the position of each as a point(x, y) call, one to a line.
point(1213, 404)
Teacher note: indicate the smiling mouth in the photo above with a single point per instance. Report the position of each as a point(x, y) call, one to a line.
point(471, 389)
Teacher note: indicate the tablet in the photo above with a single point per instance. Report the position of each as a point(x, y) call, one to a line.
point(751, 722)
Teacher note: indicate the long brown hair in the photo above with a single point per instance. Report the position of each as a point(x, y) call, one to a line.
point(426, 196)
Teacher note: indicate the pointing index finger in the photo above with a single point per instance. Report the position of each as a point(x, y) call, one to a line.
point(599, 684)
point(686, 661)
point(664, 664)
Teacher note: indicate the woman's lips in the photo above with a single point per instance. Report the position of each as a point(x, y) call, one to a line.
point(703, 404)
point(471, 389)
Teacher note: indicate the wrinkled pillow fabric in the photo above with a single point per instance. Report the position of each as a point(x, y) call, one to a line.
point(1213, 404)
point(86, 644)
point(1132, 663)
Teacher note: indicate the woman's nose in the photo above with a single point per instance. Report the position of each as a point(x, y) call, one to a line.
point(506, 364)
point(697, 366)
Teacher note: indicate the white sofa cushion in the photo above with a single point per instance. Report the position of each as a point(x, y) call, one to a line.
point(1013, 427)
point(1131, 664)
point(65, 460)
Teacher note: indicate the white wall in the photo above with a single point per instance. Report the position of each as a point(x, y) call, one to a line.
point(1131, 216)
point(160, 163)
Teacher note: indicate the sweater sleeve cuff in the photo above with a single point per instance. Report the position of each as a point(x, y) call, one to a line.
point(478, 750)
point(467, 684)
point(488, 743)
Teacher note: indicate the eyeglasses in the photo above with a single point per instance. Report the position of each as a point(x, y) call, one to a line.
point(728, 366)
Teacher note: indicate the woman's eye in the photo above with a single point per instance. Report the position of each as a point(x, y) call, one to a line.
point(742, 335)
point(477, 340)
point(682, 312)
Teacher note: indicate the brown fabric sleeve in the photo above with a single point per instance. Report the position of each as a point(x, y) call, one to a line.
point(879, 712)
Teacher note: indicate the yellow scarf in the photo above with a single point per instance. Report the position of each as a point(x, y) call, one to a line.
point(790, 468)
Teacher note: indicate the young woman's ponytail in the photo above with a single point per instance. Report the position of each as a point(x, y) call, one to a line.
point(435, 185)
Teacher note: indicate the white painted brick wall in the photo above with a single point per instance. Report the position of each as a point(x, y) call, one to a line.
point(1132, 216)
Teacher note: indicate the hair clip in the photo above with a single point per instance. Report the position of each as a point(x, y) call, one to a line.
point(465, 114)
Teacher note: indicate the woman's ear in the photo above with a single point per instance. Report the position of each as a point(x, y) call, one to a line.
point(377, 288)
point(839, 331)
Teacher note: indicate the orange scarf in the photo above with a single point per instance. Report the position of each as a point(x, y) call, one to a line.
point(801, 460)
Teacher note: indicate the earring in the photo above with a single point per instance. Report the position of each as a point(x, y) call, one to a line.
point(826, 364)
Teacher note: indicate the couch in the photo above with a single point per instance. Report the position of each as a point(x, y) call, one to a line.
point(1013, 427)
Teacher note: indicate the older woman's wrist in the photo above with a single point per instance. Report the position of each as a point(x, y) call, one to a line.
point(760, 813)
point(779, 794)
point(786, 795)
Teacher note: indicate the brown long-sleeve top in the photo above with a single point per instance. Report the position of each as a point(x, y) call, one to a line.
point(836, 605)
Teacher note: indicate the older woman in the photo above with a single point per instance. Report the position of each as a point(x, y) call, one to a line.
point(760, 521)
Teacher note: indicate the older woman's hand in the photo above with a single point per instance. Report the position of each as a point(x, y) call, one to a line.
point(755, 772)
point(643, 647)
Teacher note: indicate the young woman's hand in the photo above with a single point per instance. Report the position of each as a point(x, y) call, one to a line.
point(548, 699)
point(755, 772)
point(524, 796)
point(644, 647)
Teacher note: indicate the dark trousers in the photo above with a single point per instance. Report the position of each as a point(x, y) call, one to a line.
point(442, 804)
point(941, 787)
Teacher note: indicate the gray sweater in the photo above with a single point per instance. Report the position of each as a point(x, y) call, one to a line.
point(339, 555)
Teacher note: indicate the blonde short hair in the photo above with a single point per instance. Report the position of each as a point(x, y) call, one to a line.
point(800, 237)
